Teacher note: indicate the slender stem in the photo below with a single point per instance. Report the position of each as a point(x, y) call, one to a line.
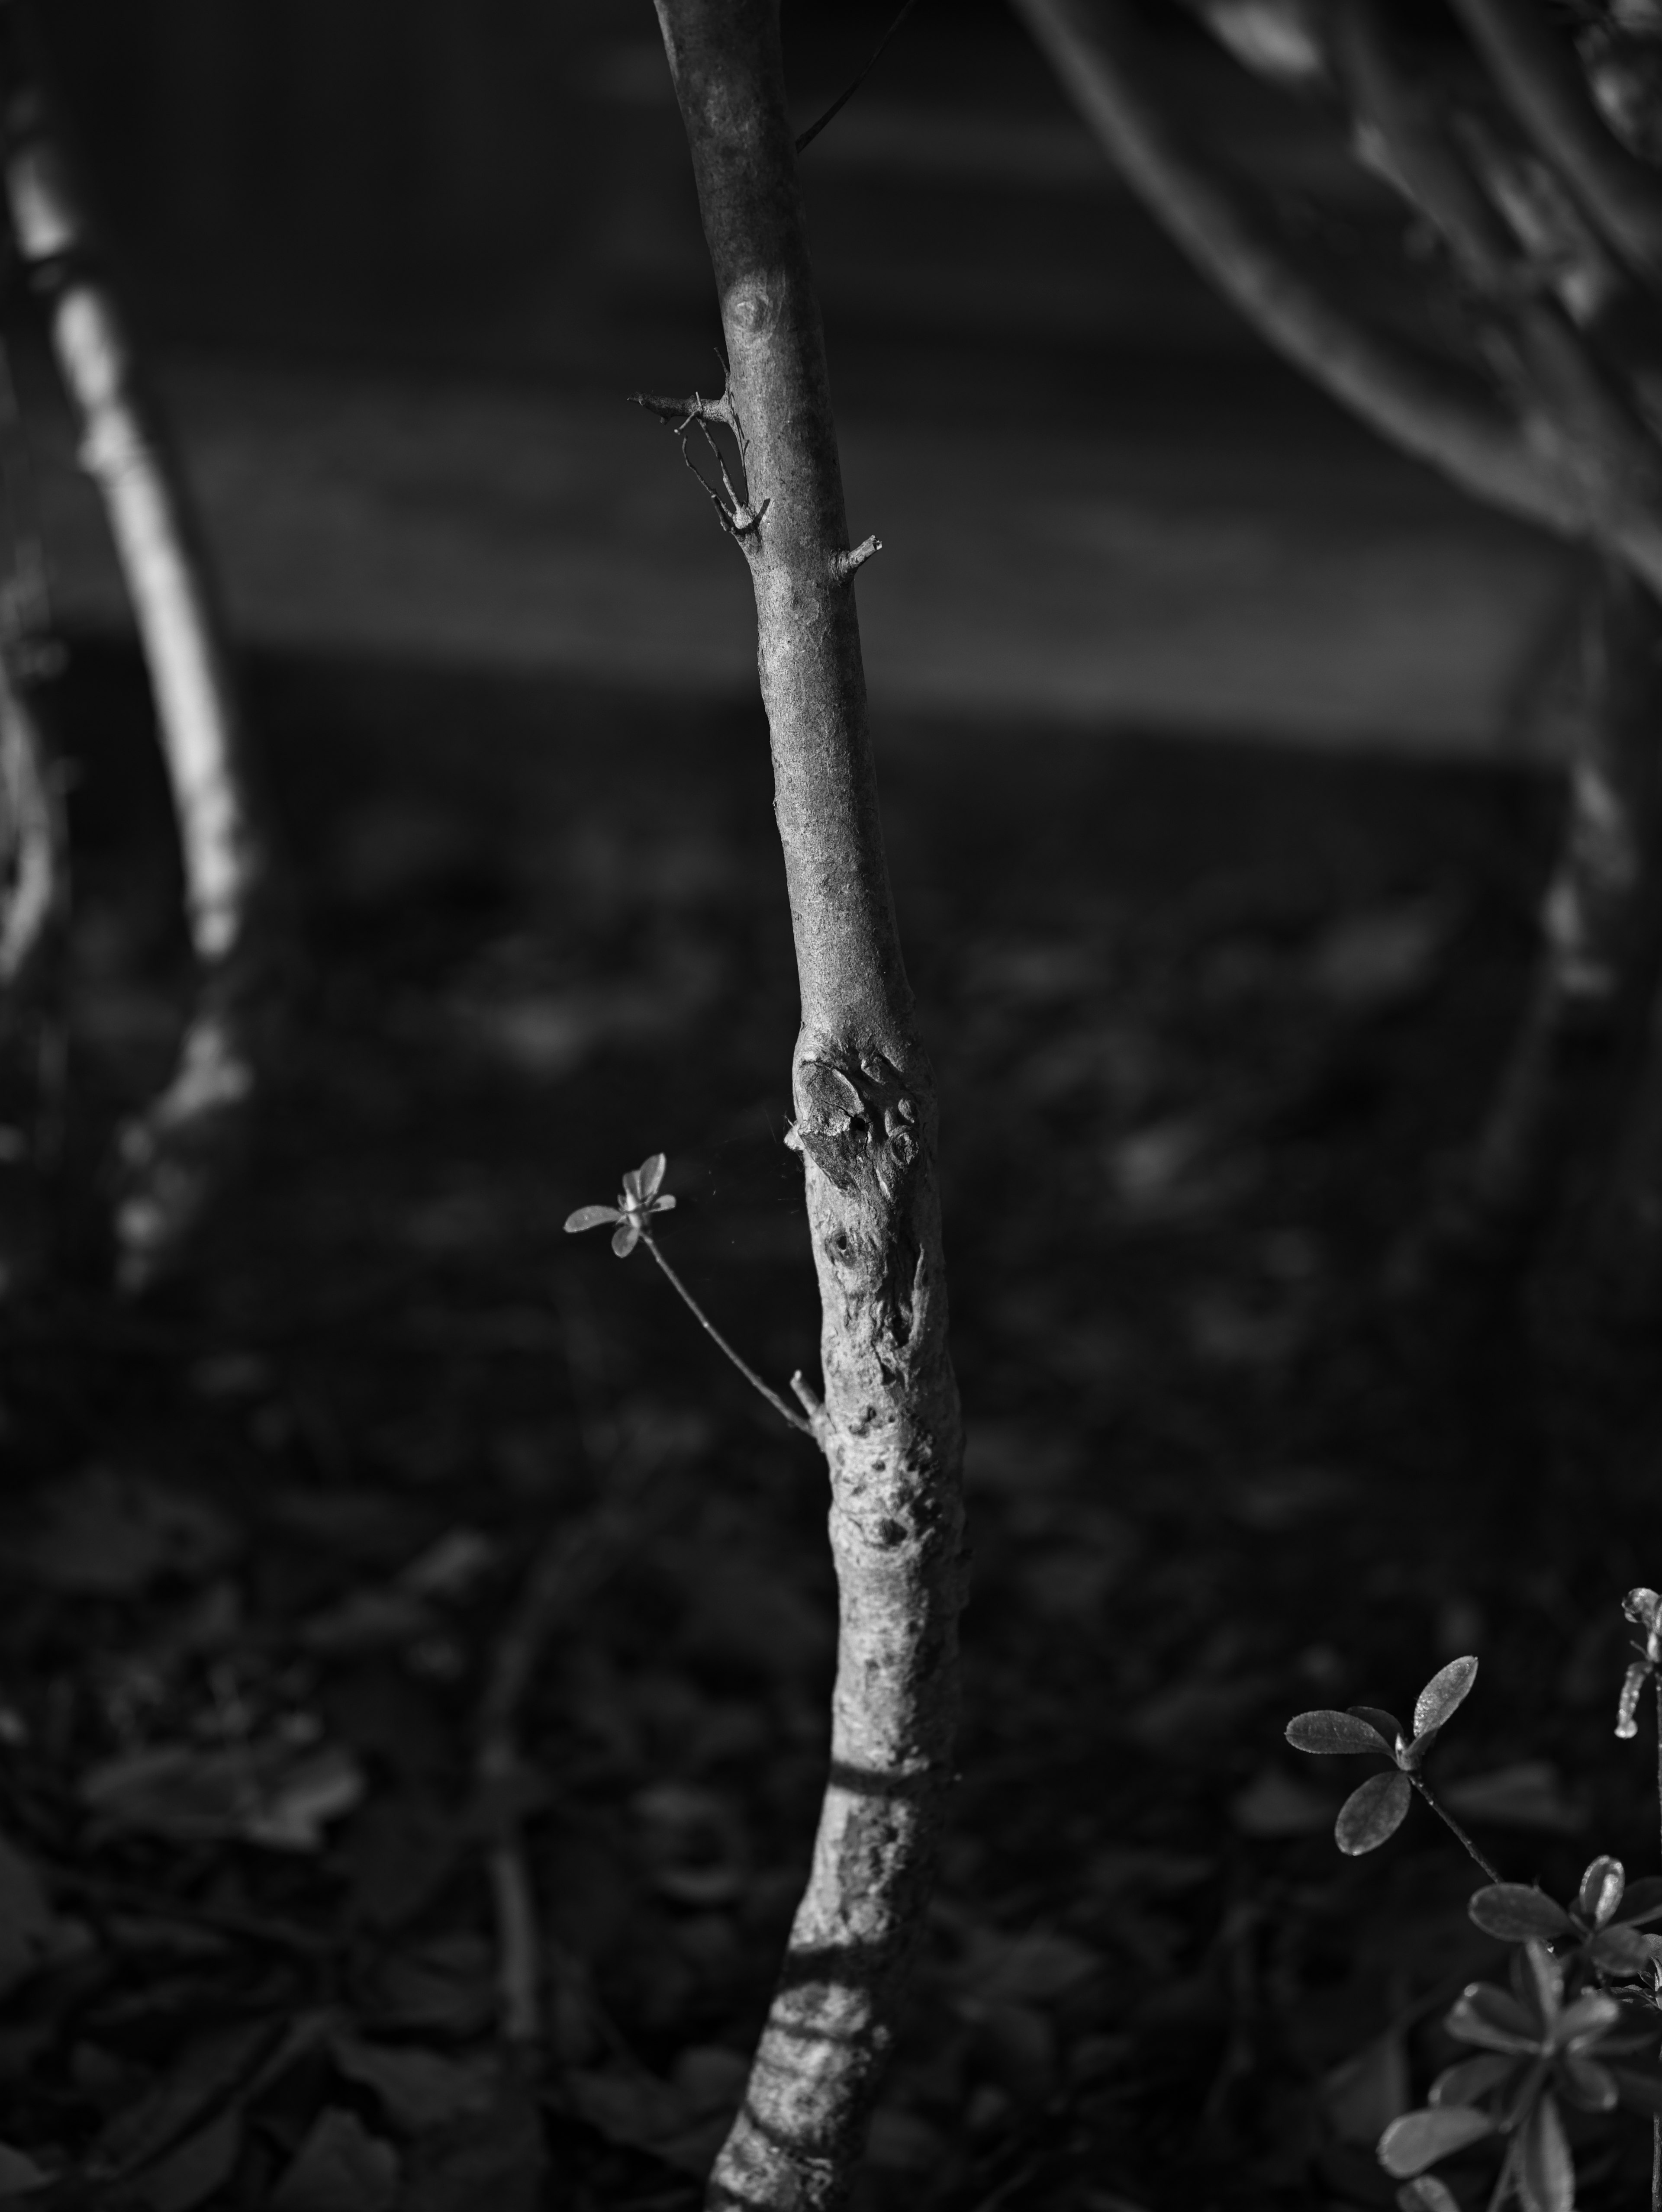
point(1454, 1827)
point(710, 1330)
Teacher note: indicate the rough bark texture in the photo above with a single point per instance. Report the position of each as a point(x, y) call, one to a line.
point(866, 1125)
point(174, 1153)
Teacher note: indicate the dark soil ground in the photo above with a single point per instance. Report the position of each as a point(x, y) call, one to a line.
point(1208, 1020)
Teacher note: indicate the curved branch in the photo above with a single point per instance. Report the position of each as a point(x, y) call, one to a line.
point(1543, 85)
point(176, 1152)
point(1429, 413)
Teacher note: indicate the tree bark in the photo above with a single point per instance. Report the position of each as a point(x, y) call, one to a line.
point(173, 1154)
point(865, 1105)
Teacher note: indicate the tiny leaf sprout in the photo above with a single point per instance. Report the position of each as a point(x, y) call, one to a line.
point(1374, 1813)
point(642, 1195)
point(637, 1201)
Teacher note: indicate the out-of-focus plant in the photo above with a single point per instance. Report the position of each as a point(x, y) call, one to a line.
point(1578, 2027)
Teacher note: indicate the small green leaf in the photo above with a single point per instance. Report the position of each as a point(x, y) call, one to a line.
point(1425, 2193)
point(1468, 2079)
point(1593, 2014)
point(1331, 1733)
point(1387, 1724)
point(1587, 2083)
point(1641, 1901)
point(1601, 1891)
point(1493, 2019)
point(624, 1237)
point(1623, 1949)
point(19, 2175)
point(1370, 1815)
point(1444, 1691)
point(1420, 2139)
point(1517, 1913)
point(1546, 2172)
point(589, 1216)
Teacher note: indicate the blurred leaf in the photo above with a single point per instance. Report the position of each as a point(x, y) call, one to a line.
point(1374, 962)
point(1372, 1814)
point(1035, 1968)
point(1620, 1949)
point(1517, 1913)
point(1425, 2193)
point(1641, 1901)
point(275, 1793)
point(210, 2068)
point(418, 2090)
point(192, 2174)
point(447, 1983)
point(694, 1842)
point(1587, 2083)
point(367, 1620)
point(1541, 2161)
point(451, 1567)
point(28, 1926)
point(1370, 2090)
point(1443, 1694)
point(19, 2175)
point(496, 2157)
point(304, 1797)
point(1420, 2139)
point(398, 1854)
point(1528, 1794)
point(1331, 1733)
point(1494, 2019)
point(339, 2168)
point(1275, 1804)
point(904, 2143)
point(106, 1533)
point(1468, 2079)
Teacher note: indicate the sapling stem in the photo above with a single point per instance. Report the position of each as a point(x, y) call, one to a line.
point(796, 1419)
point(1454, 1827)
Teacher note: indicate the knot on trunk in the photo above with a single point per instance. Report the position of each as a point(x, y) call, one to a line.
point(856, 1121)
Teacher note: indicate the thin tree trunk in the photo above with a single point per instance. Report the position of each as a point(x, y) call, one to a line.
point(33, 896)
point(176, 1151)
point(866, 1126)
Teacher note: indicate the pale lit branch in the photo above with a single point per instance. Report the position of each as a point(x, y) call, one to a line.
point(174, 1154)
point(1096, 52)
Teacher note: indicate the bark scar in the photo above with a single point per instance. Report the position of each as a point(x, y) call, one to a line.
point(857, 1122)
